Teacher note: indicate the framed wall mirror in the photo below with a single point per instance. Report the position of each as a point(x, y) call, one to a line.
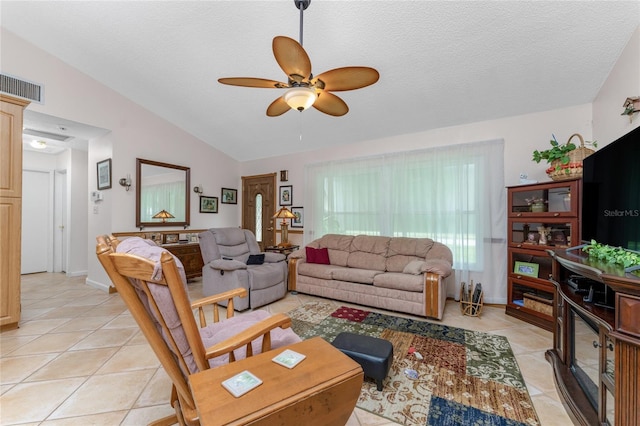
point(161, 188)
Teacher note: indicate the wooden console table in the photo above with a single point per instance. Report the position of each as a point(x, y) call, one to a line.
point(322, 390)
point(188, 252)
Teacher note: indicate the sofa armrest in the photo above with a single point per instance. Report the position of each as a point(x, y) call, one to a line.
point(436, 266)
point(227, 265)
point(298, 254)
point(270, 257)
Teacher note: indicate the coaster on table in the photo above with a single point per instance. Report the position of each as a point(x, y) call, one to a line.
point(289, 358)
point(241, 383)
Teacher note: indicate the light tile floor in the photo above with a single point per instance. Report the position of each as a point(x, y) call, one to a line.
point(78, 358)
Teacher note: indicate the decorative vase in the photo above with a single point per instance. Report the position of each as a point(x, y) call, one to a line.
point(538, 207)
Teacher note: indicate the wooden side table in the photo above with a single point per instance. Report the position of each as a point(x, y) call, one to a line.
point(284, 250)
point(323, 389)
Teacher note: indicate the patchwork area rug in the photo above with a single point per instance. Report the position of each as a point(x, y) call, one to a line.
point(465, 377)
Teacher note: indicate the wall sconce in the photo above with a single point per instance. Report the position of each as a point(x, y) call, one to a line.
point(631, 106)
point(198, 189)
point(126, 182)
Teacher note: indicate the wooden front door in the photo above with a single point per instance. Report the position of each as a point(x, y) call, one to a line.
point(258, 205)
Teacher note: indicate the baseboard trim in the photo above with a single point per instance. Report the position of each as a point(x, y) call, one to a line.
point(100, 286)
point(76, 274)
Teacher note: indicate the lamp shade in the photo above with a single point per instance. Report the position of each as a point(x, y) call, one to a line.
point(164, 215)
point(300, 98)
point(284, 213)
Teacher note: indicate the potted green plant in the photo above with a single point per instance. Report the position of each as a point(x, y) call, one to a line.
point(565, 160)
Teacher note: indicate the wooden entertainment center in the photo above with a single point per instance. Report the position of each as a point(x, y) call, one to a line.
point(596, 343)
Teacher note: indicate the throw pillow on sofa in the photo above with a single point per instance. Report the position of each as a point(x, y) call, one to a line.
point(255, 259)
point(320, 256)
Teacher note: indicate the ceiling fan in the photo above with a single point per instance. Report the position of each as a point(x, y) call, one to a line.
point(305, 89)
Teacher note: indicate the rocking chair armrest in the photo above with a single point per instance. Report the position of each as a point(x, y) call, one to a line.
point(245, 337)
point(214, 300)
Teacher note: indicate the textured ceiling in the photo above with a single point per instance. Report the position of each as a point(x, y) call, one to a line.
point(440, 63)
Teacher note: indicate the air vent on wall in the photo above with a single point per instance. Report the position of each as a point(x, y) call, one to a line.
point(22, 88)
point(46, 135)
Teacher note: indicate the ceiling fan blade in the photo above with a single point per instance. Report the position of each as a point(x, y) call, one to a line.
point(253, 82)
point(330, 104)
point(292, 58)
point(347, 78)
point(278, 107)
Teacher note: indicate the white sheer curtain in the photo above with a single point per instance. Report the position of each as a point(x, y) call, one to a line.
point(452, 194)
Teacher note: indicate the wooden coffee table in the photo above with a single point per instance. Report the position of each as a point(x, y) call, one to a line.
point(323, 387)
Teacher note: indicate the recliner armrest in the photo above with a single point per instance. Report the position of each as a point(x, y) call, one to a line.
point(270, 257)
point(227, 265)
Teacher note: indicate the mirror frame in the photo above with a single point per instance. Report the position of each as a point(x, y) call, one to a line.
point(139, 163)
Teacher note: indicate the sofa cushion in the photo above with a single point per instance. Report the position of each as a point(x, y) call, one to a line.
point(415, 267)
point(265, 276)
point(403, 250)
point(320, 255)
point(355, 275)
point(368, 252)
point(323, 272)
point(399, 281)
point(339, 247)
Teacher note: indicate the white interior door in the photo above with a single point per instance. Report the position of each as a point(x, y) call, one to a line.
point(37, 220)
point(60, 222)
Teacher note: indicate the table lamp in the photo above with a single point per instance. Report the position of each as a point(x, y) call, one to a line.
point(284, 214)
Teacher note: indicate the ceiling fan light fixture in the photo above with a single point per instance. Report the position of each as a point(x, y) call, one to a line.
point(38, 144)
point(300, 98)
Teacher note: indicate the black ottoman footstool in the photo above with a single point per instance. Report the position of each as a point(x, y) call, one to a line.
point(373, 354)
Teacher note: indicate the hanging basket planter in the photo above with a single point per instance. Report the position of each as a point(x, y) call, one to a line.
point(565, 160)
point(573, 169)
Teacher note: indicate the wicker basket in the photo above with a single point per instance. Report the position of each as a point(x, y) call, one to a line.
point(574, 168)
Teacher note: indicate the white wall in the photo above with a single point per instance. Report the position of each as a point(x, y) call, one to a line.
point(135, 132)
point(623, 82)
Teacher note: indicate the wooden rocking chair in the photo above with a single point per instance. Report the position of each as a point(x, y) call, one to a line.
point(153, 286)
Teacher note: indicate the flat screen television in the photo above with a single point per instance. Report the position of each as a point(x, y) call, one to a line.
point(611, 193)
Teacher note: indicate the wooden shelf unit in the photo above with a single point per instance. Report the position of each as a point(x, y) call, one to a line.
point(562, 216)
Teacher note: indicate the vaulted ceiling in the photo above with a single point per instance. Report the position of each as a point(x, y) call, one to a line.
point(441, 63)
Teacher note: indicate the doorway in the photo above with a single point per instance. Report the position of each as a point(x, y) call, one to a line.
point(37, 221)
point(258, 205)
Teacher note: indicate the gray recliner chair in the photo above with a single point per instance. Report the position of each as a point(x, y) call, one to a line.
point(232, 259)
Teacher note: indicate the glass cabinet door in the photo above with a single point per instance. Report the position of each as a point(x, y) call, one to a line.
point(541, 235)
point(553, 199)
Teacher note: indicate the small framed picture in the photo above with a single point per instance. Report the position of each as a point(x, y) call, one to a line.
point(526, 268)
point(559, 238)
point(104, 174)
point(229, 196)
point(157, 238)
point(171, 238)
point(193, 238)
point(298, 220)
point(286, 195)
point(284, 175)
point(208, 204)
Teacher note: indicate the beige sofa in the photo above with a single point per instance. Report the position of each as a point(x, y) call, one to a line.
point(408, 275)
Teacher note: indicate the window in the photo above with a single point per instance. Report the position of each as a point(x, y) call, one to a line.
point(454, 195)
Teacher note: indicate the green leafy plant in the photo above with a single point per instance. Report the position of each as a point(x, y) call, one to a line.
point(613, 255)
point(558, 152)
